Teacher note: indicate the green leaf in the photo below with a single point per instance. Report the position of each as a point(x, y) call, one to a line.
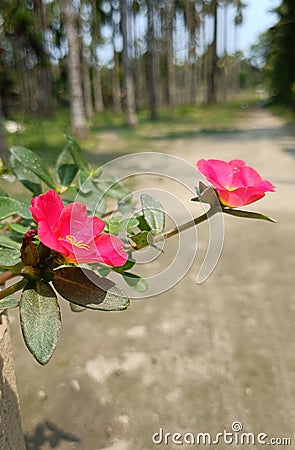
point(6, 242)
point(153, 213)
point(85, 182)
point(40, 319)
point(128, 224)
point(66, 167)
point(99, 268)
point(136, 282)
point(128, 264)
point(8, 207)
point(113, 225)
point(9, 257)
point(85, 288)
point(8, 302)
point(126, 205)
point(76, 308)
point(34, 163)
point(3, 193)
point(112, 188)
point(117, 224)
point(77, 154)
point(18, 228)
point(24, 212)
point(142, 224)
point(26, 176)
point(247, 214)
point(140, 240)
point(96, 173)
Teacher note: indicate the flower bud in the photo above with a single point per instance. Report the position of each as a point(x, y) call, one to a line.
point(29, 251)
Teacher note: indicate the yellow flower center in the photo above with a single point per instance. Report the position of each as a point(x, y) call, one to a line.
point(73, 241)
point(228, 188)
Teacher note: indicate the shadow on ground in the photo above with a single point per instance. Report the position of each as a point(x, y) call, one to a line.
point(245, 134)
point(48, 432)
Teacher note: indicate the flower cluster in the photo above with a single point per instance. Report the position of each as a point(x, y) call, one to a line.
point(235, 183)
point(70, 231)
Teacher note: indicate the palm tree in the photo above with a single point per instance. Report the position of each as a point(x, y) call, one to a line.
point(150, 60)
point(97, 87)
point(171, 76)
point(128, 81)
point(78, 119)
point(211, 76)
point(3, 142)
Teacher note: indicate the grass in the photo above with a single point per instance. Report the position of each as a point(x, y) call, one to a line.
point(282, 111)
point(109, 135)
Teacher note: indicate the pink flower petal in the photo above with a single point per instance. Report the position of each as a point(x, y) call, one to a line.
point(236, 183)
point(47, 207)
point(74, 221)
point(48, 238)
point(70, 231)
point(239, 197)
point(110, 250)
point(219, 173)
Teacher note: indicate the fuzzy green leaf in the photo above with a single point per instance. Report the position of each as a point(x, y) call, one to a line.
point(153, 213)
point(8, 302)
point(18, 228)
point(33, 163)
point(3, 193)
point(9, 257)
point(140, 240)
point(135, 281)
point(77, 154)
point(6, 242)
point(126, 205)
point(26, 176)
point(142, 224)
point(24, 212)
point(8, 207)
point(112, 188)
point(66, 167)
point(40, 320)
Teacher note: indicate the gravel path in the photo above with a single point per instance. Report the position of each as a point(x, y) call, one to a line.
point(196, 358)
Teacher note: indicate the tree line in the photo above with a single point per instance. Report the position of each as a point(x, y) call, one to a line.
point(275, 51)
point(124, 55)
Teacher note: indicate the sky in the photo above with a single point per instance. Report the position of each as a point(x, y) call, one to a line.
point(257, 19)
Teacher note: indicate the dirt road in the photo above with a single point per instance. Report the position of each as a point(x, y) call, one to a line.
point(196, 358)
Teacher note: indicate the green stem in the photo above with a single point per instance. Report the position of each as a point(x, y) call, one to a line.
point(12, 289)
point(187, 225)
point(191, 223)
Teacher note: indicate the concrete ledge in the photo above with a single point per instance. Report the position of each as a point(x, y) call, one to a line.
point(11, 434)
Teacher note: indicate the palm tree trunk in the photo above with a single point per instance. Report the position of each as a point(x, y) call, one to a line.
point(78, 119)
point(211, 93)
point(170, 52)
point(3, 143)
point(116, 88)
point(97, 87)
point(150, 62)
point(97, 91)
point(87, 89)
point(128, 81)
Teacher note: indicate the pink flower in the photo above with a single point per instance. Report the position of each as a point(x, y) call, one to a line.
point(70, 231)
point(236, 184)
